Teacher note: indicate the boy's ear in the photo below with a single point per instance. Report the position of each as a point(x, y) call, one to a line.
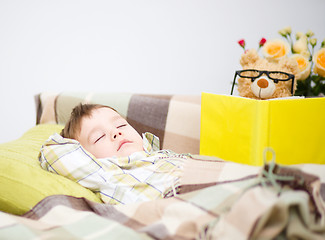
point(62, 132)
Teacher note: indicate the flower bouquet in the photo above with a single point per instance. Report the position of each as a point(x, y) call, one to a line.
point(311, 76)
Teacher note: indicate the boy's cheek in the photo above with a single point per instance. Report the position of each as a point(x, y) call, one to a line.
point(105, 150)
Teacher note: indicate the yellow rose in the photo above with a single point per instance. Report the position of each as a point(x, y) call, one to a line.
point(303, 66)
point(275, 49)
point(319, 60)
point(300, 45)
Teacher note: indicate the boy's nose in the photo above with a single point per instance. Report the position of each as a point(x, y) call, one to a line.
point(114, 136)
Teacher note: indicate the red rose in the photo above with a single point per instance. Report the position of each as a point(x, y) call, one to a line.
point(242, 43)
point(262, 42)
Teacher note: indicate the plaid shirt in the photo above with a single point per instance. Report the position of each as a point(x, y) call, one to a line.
point(142, 176)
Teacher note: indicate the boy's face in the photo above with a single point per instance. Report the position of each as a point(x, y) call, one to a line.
point(106, 134)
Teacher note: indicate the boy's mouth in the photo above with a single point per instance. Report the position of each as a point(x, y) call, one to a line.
point(122, 144)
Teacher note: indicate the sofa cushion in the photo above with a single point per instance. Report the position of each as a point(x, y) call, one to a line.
point(23, 183)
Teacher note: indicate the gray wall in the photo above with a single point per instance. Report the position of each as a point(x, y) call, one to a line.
point(146, 46)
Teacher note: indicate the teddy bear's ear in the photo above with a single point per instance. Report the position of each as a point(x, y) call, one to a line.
point(249, 58)
point(290, 65)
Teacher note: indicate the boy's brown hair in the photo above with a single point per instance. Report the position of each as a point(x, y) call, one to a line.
point(73, 126)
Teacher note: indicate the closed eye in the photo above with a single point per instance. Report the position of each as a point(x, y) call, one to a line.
point(123, 125)
point(99, 138)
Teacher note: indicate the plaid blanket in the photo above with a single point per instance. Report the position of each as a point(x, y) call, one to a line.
point(141, 176)
point(279, 203)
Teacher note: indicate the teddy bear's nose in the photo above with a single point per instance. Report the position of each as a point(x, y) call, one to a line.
point(262, 83)
point(263, 87)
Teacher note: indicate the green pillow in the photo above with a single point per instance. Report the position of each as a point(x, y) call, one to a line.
point(23, 183)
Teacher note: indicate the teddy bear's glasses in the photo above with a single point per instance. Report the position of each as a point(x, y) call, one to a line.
point(252, 74)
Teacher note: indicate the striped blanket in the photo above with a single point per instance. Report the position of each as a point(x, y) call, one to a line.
point(278, 203)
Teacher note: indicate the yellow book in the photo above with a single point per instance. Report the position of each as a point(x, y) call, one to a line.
point(240, 129)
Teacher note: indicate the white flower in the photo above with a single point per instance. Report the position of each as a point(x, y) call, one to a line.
point(300, 35)
point(305, 53)
point(313, 41)
point(300, 45)
point(287, 30)
point(310, 33)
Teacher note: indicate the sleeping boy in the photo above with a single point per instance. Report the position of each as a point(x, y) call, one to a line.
point(101, 151)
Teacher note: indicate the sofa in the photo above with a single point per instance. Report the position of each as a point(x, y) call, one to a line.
point(277, 201)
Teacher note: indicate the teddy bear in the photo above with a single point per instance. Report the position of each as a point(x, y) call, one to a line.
point(266, 80)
